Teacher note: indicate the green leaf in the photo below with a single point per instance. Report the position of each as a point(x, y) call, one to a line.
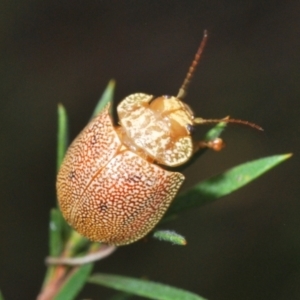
point(215, 131)
point(107, 97)
point(170, 236)
point(62, 135)
point(56, 242)
point(58, 232)
point(224, 184)
point(74, 283)
point(1, 296)
point(148, 289)
point(77, 243)
point(62, 146)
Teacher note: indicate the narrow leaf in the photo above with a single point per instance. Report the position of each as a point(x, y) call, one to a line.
point(224, 184)
point(215, 131)
point(62, 134)
point(170, 236)
point(62, 145)
point(1, 296)
point(76, 243)
point(107, 97)
point(74, 283)
point(56, 242)
point(57, 235)
point(148, 289)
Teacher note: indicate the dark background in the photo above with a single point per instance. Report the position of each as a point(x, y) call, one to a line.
point(244, 246)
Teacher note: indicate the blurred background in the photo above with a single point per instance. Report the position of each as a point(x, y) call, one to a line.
point(244, 246)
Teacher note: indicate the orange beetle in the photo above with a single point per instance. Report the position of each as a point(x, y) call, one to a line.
point(111, 186)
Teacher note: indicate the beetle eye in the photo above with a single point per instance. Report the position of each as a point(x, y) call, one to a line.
point(190, 128)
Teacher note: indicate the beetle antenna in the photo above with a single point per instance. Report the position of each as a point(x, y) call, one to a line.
point(199, 121)
point(183, 89)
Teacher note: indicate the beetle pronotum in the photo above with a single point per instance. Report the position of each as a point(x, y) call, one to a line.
point(112, 186)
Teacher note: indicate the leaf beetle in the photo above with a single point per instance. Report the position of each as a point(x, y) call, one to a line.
point(112, 186)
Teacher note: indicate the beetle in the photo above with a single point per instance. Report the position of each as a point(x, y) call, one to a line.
point(113, 186)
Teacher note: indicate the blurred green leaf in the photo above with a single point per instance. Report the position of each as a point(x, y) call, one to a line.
point(170, 236)
point(62, 135)
point(74, 283)
point(58, 234)
point(107, 97)
point(1, 296)
point(215, 131)
point(56, 239)
point(224, 184)
point(57, 222)
point(77, 244)
point(148, 289)
point(58, 228)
